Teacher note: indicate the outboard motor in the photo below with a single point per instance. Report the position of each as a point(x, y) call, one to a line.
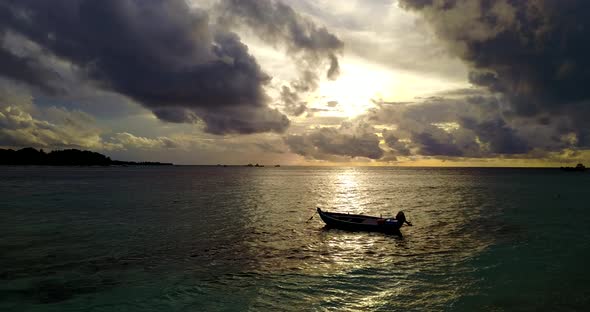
point(400, 216)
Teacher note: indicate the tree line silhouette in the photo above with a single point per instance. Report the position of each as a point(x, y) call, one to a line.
point(67, 157)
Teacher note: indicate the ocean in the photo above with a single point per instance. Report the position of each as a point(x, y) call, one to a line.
point(191, 238)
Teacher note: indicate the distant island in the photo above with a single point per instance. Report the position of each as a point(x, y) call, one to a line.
point(578, 167)
point(248, 165)
point(67, 157)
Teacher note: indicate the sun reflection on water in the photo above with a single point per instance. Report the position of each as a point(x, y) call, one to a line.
point(347, 196)
point(350, 271)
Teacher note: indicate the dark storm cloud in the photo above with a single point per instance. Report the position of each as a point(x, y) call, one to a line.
point(534, 51)
point(291, 95)
point(349, 140)
point(460, 124)
point(161, 53)
point(27, 69)
point(292, 102)
point(241, 119)
point(309, 44)
point(400, 148)
point(436, 143)
point(334, 70)
point(501, 138)
point(278, 23)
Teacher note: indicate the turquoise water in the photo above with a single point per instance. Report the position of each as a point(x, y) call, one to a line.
point(237, 239)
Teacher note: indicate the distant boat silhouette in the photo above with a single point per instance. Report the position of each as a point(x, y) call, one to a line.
point(277, 166)
point(578, 167)
point(257, 165)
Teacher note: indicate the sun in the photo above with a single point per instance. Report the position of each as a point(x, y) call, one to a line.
point(357, 85)
point(361, 84)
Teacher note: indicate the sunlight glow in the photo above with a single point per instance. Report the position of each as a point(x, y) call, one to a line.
point(360, 83)
point(356, 86)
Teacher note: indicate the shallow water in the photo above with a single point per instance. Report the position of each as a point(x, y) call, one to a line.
point(236, 239)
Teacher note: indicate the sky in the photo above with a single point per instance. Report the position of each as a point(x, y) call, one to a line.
point(300, 82)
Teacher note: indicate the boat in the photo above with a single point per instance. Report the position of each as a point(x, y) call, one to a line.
point(353, 222)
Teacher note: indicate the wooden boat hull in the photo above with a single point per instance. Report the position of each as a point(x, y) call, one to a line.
point(351, 222)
